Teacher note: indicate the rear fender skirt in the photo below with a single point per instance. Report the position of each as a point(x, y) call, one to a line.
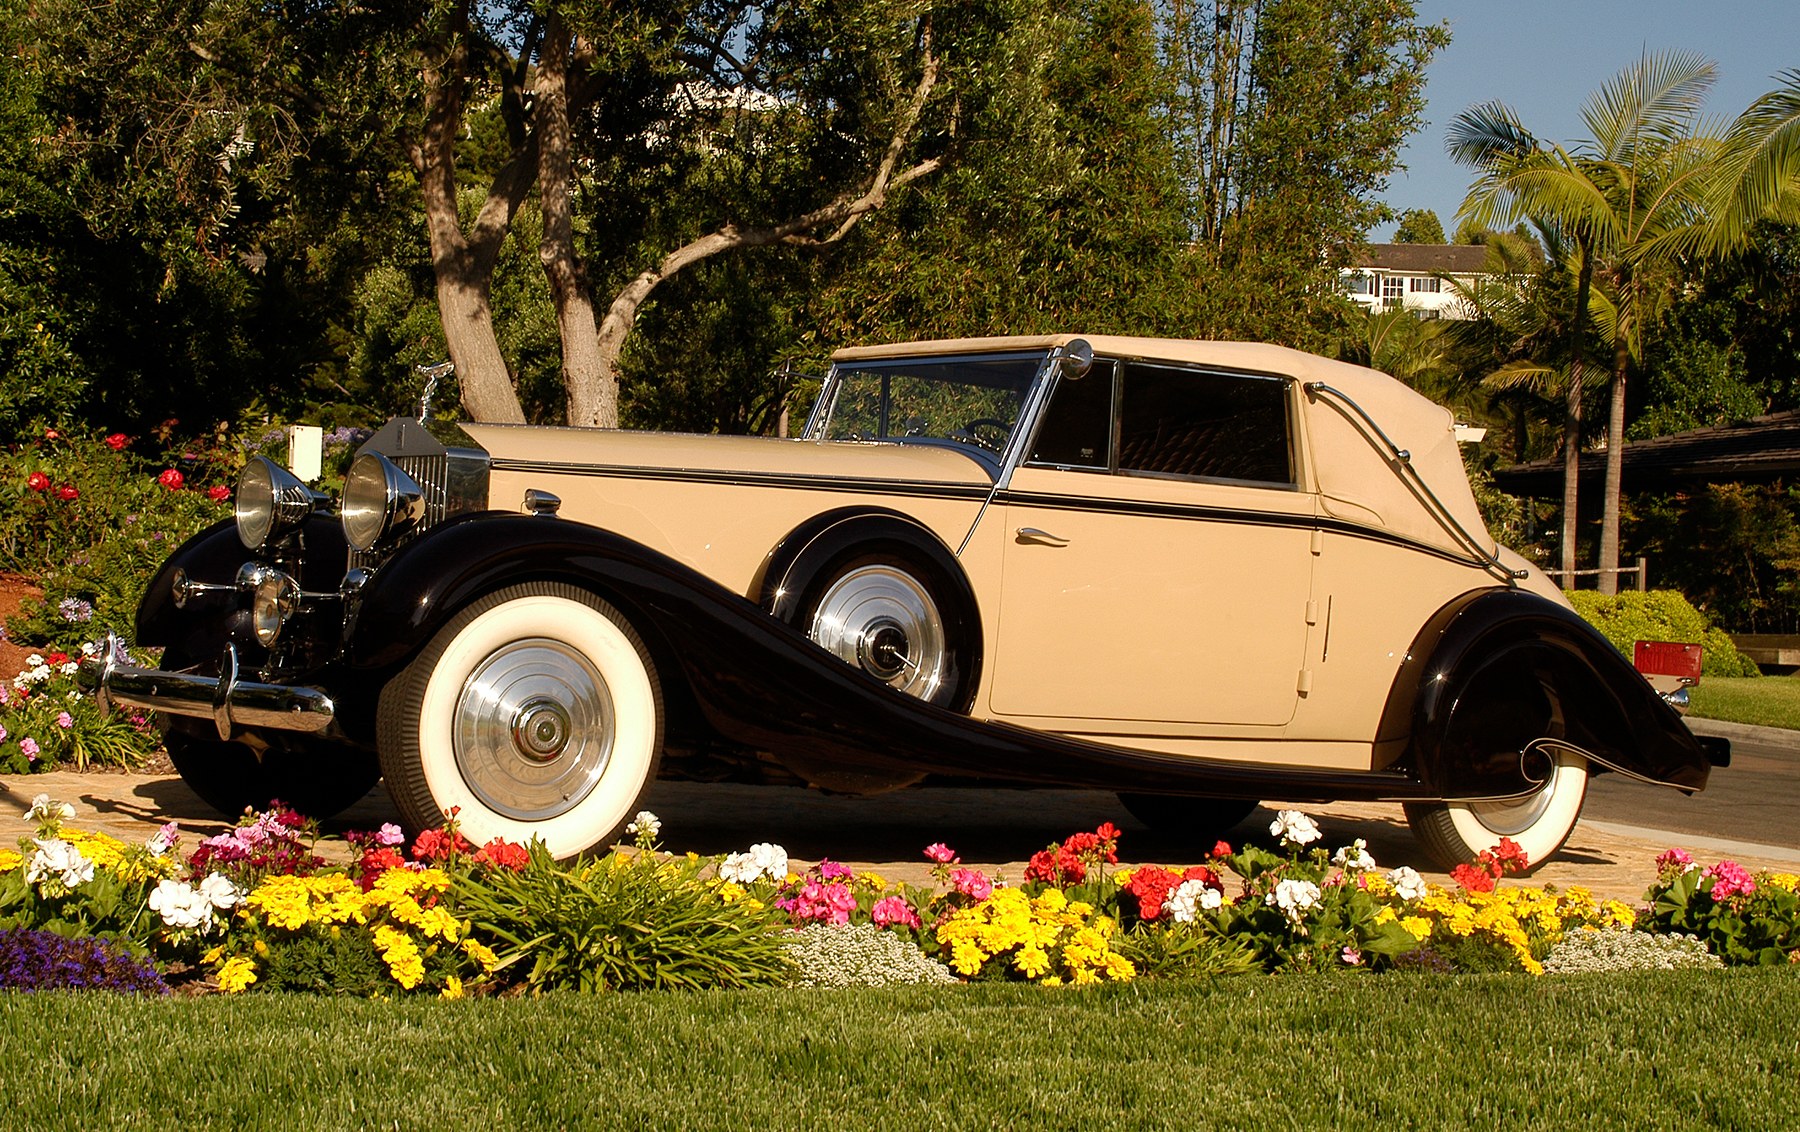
point(1489, 645)
point(762, 685)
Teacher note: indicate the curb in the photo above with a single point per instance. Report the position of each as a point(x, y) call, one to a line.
point(1749, 733)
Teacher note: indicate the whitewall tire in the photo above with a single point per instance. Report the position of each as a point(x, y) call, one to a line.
point(534, 713)
point(1455, 833)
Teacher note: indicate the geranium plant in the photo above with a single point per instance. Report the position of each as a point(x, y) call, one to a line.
point(1744, 918)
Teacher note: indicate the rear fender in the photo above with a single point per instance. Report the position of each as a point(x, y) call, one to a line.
point(1495, 667)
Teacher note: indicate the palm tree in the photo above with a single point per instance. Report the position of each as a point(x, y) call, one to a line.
point(1760, 174)
point(1633, 199)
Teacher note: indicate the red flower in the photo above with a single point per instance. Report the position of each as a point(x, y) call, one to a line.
point(1221, 849)
point(439, 845)
point(67, 493)
point(218, 493)
point(171, 479)
point(37, 481)
point(503, 854)
point(1473, 878)
point(56, 659)
point(116, 441)
point(52, 434)
point(376, 861)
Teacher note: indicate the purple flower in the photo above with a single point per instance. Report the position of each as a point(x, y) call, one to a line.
point(74, 610)
point(41, 960)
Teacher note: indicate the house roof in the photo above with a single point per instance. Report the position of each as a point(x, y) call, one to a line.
point(1757, 450)
point(1423, 259)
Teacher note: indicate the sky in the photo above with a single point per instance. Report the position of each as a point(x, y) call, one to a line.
point(1544, 57)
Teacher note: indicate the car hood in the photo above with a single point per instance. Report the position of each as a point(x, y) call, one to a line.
point(532, 446)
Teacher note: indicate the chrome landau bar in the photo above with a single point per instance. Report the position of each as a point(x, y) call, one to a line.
point(231, 703)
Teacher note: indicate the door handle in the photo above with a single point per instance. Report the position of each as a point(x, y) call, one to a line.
point(1032, 534)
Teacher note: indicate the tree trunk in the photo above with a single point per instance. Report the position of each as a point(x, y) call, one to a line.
point(590, 380)
point(1572, 420)
point(464, 265)
point(1615, 466)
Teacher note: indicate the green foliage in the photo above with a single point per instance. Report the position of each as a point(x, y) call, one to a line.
point(626, 921)
point(91, 521)
point(1733, 548)
point(1419, 226)
point(1186, 952)
point(47, 724)
point(1743, 920)
point(1660, 615)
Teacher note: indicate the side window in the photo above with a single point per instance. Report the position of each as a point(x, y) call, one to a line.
point(1183, 422)
point(1078, 423)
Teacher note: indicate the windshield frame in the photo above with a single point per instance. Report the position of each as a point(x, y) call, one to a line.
point(819, 421)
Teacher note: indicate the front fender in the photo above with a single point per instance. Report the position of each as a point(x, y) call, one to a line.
point(1500, 643)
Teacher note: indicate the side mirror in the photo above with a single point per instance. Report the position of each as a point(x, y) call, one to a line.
point(1077, 359)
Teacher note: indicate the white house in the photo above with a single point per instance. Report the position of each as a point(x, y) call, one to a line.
point(1417, 277)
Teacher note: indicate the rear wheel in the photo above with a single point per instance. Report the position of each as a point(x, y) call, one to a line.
point(1456, 833)
point(534, 713)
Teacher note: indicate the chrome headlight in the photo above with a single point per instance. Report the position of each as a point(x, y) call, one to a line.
point(380, 501)
point(274, 598)
point(271, 501)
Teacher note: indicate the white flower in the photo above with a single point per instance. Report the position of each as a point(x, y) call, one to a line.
point(1293, 898)
point(646, 824)
point(1354, 856)
point(163, 839)
point(763, 860)
point(59, 860)
point(1408, 884)
point(1190, 898)
point(70, 668)
point(1294, 828)
point(219, 892)
point(34, 661)
point(43, 808)
point(181, 906)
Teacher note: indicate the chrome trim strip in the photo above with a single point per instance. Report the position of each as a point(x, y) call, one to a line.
point(1405, 470)
point(930, 488)
point(233, 704)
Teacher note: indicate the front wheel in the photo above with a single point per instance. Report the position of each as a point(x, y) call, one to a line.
point(317, 779)
point(535, 713)
point(1456, 833)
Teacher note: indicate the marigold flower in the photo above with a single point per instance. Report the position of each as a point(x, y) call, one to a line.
point(236, 975)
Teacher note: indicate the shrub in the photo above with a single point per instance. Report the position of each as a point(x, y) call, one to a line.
point(43, 960)
point(45, 722)
point(1660, 615)
point(1617, 948)
point(627, 921)
point(91, 521)
point(1744, 919)
point(859, 955)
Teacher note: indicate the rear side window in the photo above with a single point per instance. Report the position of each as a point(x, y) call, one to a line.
point(1184, 422)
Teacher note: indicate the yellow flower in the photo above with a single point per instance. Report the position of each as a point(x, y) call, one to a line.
point(236, 975)
point(730, 891)
point(453, 988)
point(1032, 962)
point(1785, 880)
point(402, 956)
point(1418, 927)
point(482, 954)
point(9, 860)
point(1620, 913)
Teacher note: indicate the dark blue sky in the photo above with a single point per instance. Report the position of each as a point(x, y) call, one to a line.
point(1544, 57)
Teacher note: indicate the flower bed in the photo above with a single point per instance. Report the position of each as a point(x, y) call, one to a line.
point(257, 909)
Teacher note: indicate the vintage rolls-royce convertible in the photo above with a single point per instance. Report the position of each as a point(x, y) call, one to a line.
point(1196, 573)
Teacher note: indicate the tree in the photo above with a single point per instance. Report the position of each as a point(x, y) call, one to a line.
point(1419, 226)
point(1633, 198)
point(1288, 117)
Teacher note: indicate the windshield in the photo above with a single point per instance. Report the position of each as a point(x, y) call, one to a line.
point(969, 401)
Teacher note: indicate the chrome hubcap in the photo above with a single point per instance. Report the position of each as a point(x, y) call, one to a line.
point(1510, 818)
point(533, 729)
point(881, 620)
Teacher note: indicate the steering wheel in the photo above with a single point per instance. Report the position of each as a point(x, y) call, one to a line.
point(969, 432)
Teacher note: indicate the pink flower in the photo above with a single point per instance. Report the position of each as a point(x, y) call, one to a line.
point(171, 479)
point(1351, 956)
point(941, 853)
point(30, 747)
point(116, 441)
point(1729, 879)
point(972, 883)
point(64, 720)
point(821, 904)
point(1675, 861)
point(390, 834)
point(831, 870)
point(890, 911)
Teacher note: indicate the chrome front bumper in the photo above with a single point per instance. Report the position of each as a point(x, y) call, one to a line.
point(232, 704)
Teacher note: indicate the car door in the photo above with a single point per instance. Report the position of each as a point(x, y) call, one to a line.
point(1158, 554)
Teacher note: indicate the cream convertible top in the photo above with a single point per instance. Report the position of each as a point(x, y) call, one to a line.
point(1353, 469)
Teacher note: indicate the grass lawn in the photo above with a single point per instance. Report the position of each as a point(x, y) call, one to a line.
point(1769, 701)
point(1680, 1050)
